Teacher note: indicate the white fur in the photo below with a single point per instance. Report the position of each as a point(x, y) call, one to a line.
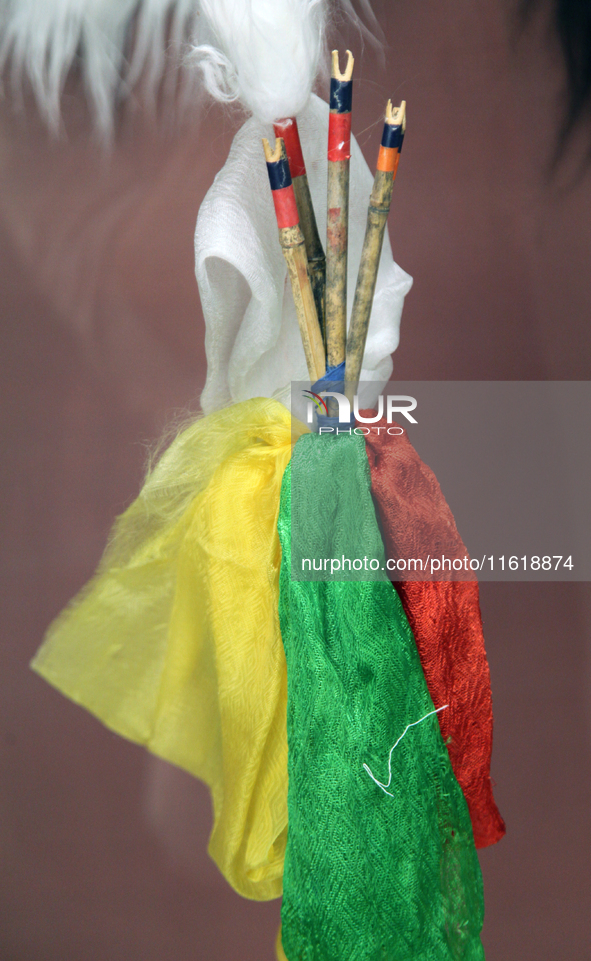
point(44, 38)
point(269, 53)
point(264, 53)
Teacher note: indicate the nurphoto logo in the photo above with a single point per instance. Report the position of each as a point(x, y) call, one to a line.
point(395, 404)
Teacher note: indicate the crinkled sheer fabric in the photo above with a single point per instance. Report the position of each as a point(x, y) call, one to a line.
point(368, 875)
point(279, 952)
point(252, 340)
point(444, 616)
point(175, 643)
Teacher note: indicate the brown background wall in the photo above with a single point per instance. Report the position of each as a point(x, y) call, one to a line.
point(102, 847)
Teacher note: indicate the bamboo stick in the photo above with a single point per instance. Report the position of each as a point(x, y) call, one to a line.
point(292, 242)
point(288, 129)
point(339, 152)
point(377, 216)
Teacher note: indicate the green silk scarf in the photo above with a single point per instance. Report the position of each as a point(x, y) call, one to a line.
point(372, 872)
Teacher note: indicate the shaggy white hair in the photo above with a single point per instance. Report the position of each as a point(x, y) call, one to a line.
point(264, 53)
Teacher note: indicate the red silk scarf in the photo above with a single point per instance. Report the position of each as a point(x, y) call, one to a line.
point(444, 616)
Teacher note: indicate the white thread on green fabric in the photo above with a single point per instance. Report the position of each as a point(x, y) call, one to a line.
point(408, 726)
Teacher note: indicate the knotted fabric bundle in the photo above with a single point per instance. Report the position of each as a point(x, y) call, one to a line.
point(175, 643)
point(444, 616)
point(372, 870)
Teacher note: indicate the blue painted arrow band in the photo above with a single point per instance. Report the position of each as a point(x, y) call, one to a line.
point(279, 175)
point(341, 95)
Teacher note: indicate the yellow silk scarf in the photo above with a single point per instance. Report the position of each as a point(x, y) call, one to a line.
point(175, 643)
